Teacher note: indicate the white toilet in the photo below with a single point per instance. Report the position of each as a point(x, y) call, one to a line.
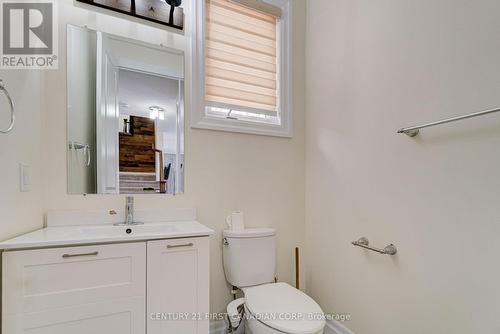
point(270, 308)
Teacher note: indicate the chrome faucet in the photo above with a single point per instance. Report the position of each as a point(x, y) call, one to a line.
point(129, 210)
point(129, 213)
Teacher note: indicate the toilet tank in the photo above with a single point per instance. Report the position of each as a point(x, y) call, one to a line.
point(249, 256)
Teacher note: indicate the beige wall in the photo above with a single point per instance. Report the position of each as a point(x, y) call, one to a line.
point(262, 176)
point(373, 67)
point(20, 212)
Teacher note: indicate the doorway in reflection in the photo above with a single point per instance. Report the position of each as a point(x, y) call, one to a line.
point(148, 138)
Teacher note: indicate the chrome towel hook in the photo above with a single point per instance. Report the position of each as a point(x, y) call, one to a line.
point(12, 114)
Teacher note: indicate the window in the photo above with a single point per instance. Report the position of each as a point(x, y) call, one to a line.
point(241, 60)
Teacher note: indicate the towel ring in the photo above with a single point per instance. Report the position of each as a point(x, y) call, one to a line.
point(12, 114)
point(87, 154)
point(86, 151)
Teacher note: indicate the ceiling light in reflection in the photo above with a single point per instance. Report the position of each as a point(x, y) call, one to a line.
point(156, 112)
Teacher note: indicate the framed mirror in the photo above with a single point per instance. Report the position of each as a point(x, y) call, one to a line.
point(125, 115)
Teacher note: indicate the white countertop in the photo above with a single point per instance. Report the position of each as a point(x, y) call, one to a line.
point(96, 234)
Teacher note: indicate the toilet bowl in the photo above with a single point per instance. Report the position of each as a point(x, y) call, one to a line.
point(270, 308)
point(280, 308)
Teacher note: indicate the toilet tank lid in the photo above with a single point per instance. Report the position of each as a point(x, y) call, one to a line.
point(250, 233)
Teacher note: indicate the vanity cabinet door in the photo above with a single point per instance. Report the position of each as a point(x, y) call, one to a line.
point(77, 290)
point(178, 286)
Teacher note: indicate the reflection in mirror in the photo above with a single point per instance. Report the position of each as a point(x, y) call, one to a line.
point(125, 115)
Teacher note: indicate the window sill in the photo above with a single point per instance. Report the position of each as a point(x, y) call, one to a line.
point(234, 125)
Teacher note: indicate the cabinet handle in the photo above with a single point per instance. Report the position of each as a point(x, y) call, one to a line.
point(66, 256)
point(179, 246)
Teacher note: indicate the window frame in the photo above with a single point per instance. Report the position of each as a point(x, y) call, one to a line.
point(199, 117)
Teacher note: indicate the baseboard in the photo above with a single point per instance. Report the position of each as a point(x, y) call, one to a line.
point(335, 327)
point(217, 327)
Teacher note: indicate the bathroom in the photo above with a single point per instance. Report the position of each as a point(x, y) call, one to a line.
point(352, 73)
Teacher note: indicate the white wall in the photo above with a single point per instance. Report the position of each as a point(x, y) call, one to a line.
point(20, 212)
point(262, 176)
point(373, 67)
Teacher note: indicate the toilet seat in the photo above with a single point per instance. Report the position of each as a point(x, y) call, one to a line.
point(284, 308)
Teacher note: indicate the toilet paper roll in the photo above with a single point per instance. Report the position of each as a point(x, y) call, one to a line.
point(237, 221)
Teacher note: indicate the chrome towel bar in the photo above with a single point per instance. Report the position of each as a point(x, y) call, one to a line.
point(12, 113)
point(364, 243)
point(414, 130)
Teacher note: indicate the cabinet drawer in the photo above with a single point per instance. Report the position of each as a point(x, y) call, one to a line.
point(39, 280)
point(120, 316)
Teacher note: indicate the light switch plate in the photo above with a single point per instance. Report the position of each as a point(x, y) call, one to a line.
point(24, 177)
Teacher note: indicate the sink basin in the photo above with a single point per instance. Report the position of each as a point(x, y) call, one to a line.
point(111, 231)
point(94, 234)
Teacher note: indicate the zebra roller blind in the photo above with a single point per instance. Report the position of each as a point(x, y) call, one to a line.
point(241, 58)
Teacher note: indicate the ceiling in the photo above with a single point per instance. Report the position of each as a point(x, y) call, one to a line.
point(139, 91)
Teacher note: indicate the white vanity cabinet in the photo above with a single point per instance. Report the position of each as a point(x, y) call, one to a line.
point(101, 289)
point(178, 286)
